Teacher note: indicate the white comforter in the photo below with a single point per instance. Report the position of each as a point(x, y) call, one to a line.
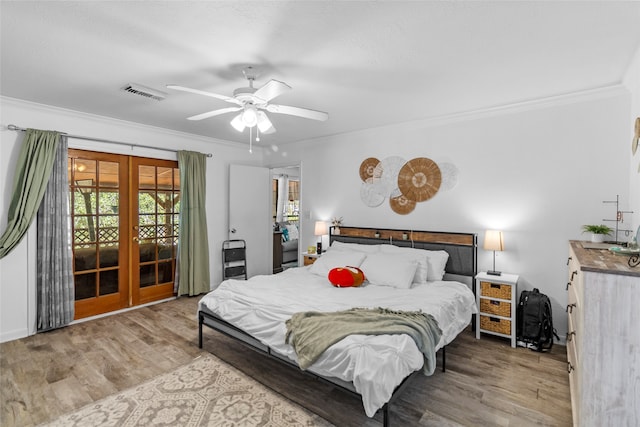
point(375, 364)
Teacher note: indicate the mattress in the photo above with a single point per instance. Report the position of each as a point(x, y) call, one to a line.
point(375, 365)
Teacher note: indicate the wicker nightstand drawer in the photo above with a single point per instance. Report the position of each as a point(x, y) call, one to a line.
point(495, 324)
point(499, 308)
point(495, 290)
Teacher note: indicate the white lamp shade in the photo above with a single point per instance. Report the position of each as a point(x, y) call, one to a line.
point(493, 240)
point(321, 228)
point(237, 123)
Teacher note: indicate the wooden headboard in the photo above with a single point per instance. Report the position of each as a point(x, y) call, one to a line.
point(461, 247)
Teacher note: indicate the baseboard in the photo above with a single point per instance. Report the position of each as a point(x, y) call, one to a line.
point(14, 335)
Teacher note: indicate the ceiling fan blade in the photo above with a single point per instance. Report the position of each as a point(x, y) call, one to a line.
point(271, 89)
point(201, 92)
point(297, 111)
point(214, 113)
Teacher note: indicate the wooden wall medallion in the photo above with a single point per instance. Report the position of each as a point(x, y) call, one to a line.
point(419, 179)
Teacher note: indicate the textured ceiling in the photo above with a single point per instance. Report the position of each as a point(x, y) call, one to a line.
point(366, 63)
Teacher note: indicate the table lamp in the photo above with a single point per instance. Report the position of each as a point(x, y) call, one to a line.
point(320, 230)
point(493, 242)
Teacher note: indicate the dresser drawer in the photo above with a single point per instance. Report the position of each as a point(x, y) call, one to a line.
point(499, 308)
point(495, 290)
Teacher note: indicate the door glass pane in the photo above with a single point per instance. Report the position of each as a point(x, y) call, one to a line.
point(164, 201)
point(147, 250)
point(85, 286)
point(108, 282)
point(147, 202)
point(109, 201)
point(84, 172)
point(109, 174)
point(165, 178)
point(109, 256)
point(165, 273)
point(176, 179)
point(165, 249)
point(84, 257)
point(147, 275)
point(146, 176)
point(109, 228)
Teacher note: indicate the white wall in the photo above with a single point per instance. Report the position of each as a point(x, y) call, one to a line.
point(17, 270)
point(537, 171)
point(632, 82)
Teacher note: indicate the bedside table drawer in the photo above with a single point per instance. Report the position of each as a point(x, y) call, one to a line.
point(495, 324)
point(499, 308)
point(308, 260)
point(495, 290)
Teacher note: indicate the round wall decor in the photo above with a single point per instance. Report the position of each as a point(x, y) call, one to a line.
point(419, 179)
point(401, 205)
point(367, 167)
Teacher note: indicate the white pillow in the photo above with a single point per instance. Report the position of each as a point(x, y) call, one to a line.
point(389, 270)
point(417, 255)
point(435, 265)
point(333, 259)
point(341, 246)
point(293, 231)
point(437, 261)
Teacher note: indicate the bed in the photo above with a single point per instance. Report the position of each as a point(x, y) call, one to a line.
point(408, 271)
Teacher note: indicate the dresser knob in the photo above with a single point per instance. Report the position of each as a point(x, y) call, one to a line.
point(568, 260)
point(568, 284)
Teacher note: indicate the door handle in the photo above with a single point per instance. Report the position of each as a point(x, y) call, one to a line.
point(135, 238)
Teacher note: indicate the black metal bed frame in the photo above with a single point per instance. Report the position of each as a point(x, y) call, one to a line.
point(463, 246)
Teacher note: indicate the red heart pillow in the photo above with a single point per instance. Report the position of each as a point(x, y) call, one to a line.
point(345, 277)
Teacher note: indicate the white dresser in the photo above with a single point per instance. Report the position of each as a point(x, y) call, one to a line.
point(603, 341)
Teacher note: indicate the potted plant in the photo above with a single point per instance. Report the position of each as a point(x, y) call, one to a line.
point(597, 232)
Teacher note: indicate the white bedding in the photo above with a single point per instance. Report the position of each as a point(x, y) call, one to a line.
point(375, 364)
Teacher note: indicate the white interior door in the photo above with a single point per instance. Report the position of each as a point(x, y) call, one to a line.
point(250, 215)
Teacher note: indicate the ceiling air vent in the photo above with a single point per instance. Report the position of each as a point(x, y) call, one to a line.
point(147, 92)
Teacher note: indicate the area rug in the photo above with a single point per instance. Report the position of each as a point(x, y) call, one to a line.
point(206, 392)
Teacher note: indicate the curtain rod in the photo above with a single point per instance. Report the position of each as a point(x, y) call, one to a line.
point(88, 138)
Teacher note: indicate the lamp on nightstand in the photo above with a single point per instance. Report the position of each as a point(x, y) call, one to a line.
point(320, 230)
point(493, 242)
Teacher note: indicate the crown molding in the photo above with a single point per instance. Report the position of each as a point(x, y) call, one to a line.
point(108, 121)
point(587, 95)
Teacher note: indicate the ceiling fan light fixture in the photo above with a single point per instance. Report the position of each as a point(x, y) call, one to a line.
point(249, 116)
point(237, 123)
point(264, 124)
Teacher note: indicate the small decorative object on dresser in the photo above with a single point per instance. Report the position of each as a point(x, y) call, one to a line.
point(597, 232)
point(496, 300)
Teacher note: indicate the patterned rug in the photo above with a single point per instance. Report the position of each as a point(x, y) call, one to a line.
point(206, 392)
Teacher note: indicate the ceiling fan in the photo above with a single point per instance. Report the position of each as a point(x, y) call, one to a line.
point(252, 104)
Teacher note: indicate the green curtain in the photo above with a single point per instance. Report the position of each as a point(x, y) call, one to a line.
point(33, 169)
point(192, 274)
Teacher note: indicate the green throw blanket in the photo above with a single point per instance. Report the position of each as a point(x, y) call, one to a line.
point(311, 333)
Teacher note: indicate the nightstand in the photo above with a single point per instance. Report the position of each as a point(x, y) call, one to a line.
point(496, 301)
point(308, 258)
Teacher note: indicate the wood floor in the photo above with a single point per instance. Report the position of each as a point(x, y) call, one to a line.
point(487, 383)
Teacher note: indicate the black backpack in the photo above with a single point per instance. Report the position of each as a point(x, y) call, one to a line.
point(534, 321)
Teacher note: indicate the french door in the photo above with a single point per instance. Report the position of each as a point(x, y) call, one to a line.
point(124, 218)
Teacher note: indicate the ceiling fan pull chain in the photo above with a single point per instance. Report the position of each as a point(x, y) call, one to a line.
point(257, 134)
point(250, 140)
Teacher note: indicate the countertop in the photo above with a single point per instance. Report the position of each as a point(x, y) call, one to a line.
point(602, 260)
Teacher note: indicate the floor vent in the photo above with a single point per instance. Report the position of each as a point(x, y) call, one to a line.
point(137, 89)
